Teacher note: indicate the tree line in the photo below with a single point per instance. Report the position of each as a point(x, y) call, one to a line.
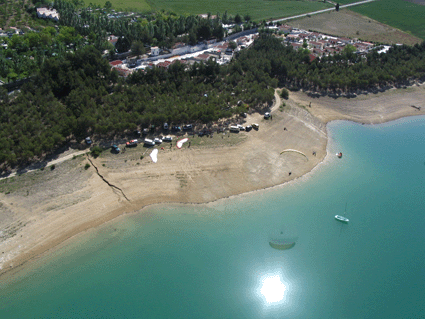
point(160, 29)
point(343, 72)
point(79, 95)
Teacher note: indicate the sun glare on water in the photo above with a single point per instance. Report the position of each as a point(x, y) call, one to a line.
point(273, 289)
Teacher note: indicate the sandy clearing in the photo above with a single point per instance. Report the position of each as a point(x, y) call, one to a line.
point(59, 204)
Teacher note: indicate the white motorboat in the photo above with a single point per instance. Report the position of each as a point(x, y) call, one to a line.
point(342, 218)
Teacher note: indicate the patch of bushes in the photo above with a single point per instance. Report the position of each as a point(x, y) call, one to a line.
point(96, 151)
point(86, 167)
point(284, 94)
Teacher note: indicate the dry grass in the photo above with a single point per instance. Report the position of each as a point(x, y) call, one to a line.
point(353, 25)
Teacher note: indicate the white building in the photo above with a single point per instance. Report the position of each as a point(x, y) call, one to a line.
point(46, 13)
point(154, 51)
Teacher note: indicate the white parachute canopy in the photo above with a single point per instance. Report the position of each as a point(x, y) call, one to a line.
point(154, 155)
point(181, 142)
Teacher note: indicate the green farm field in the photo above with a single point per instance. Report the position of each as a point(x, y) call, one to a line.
point(257, 10)
point(128, 5)
point(401, 14)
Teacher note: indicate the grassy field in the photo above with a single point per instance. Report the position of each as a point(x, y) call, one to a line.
point(258, 10)
point(400, 14)
point(342, 2)
point(128, 5)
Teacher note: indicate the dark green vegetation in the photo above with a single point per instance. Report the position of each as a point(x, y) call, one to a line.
point(78, 95)
point(284, 94)
point(404, 15)
point(14, 13)
point(26, 53)
point(346, 72)
point(96, 151)
point(161, 29)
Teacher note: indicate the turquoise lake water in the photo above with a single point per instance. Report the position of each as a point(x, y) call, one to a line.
point(214, 261)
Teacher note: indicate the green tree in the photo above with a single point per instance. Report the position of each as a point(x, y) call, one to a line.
point(232, 45)
point(284, 94)
point(67, 35)
point(137, 48)
point(108, 5)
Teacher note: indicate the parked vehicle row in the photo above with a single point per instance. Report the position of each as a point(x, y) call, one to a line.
point(237, 128)
point(176, 128)
point(159, 140)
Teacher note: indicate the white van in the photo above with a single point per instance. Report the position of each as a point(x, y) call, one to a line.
point(234, 129)
point(149, 142)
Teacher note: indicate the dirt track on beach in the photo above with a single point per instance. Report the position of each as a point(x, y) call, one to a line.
point(43, 209)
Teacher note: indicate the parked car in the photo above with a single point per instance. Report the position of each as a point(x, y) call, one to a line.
point(166, 126)
point(132, 143)
point(248, 128)
point(145, 131)
point(176, 128)
point(88, 140)
point(187, 127)
point(266, 115)
point(149, 142)
point(167, 139)
point(157, 140)
point(255, 126)
point(137, 133)
point(115, 149)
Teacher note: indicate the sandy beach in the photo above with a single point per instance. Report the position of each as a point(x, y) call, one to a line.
point(45, 208)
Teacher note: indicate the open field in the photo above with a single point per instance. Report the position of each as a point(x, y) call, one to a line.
point(404, 15)
point(353, 25)
point(257, 10)
point(130, 5)
point(342, 2)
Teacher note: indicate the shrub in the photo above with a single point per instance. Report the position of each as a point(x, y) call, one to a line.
point(52, 167)
point(96, 151)
point(284, 94)
point(86, 167)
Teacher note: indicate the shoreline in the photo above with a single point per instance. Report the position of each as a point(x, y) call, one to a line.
point(200, 181)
